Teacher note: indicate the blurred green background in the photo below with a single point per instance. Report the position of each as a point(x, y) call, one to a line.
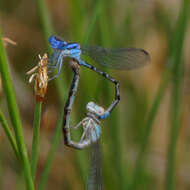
point(145, 142)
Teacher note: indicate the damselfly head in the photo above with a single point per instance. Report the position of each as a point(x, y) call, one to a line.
point(56, 43)
point(94, 108)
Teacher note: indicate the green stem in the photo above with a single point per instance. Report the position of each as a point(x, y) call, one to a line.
point(147, 130)
point(35, 140)
point(93, 21)
point(9, 134)
point(48, 163)
point(14, 115)
point(48, 30)
point(77, 18)
point(176, 98)
point(45, 21)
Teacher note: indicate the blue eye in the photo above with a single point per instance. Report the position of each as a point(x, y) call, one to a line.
point(56, 43)
point(53, 41)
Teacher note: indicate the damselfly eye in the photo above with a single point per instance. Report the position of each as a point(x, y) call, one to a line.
point(56, 42)
point(53, 42)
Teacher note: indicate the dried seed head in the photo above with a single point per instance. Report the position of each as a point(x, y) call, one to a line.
point(41, 77)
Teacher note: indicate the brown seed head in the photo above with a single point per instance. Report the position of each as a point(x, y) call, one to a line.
point(41, 77)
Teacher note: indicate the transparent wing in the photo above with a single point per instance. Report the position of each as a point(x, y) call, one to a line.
point(121, 58)
point(95, 174)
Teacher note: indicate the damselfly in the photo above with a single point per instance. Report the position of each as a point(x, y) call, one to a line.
point(90, 136)
point(121, 58)
point(91, 128)
point(91, 125)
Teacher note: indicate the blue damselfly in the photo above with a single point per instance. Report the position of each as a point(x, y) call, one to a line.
point(115, 58)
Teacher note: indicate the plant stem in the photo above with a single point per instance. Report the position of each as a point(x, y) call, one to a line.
point(147, 130)
point(9, 134)
point(48, 163)
point(176, 97)
point(48, 30)
point(14, 115)
point(35, 140)
point(93, 21)
point(45, 21)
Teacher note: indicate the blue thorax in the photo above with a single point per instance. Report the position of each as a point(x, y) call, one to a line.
point(95, 134)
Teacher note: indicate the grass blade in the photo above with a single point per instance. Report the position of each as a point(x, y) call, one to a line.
point(9, 134)
point(147, 131)
point(48, 163)
point(93, 21)
point(35, 140)
point(45, 21)
point(176, 97)
point(14, 115)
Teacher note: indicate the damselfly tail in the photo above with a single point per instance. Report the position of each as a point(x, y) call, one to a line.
point(95, 174)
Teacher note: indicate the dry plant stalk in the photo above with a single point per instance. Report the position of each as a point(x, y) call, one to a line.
point(41, 77)
point(8, 41)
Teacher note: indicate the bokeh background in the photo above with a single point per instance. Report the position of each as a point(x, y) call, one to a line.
point(145, 142)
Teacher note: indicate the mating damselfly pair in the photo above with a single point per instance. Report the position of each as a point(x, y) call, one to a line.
point(114, 58)
point(122, 58)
